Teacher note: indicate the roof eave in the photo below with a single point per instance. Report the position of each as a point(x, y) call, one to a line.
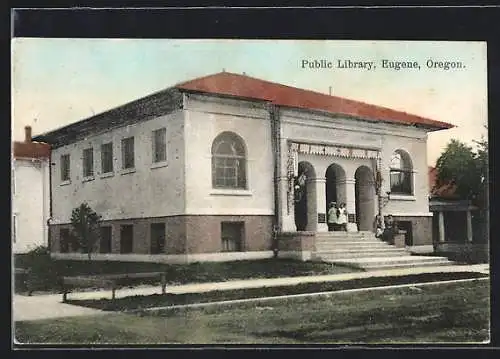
point(58, 137)
point(228, 96)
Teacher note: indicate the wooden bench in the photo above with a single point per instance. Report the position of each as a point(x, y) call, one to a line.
point(21, 271)
point(110, 281)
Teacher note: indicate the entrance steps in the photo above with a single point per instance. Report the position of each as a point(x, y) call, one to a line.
point(340, 254)
point(363, 250)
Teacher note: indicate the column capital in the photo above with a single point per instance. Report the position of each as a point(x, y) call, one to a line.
point(317, 180)
point(347, 181)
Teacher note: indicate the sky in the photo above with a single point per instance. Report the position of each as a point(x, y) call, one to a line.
point(56, 82)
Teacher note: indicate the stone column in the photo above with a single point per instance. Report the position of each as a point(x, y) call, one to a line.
point(469, 226)
point(350, 201)
point(285, 192)
point(441, 226)
point(321, 204)
point(287, 209)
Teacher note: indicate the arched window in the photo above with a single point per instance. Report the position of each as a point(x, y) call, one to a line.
point(228, 162)
point(401, 173)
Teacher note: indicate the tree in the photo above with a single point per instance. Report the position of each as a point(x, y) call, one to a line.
point(482, 162)
point(483, 200)
point(459, 165)
point(85, 227)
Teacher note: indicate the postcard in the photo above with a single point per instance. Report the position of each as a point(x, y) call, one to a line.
point(195, 191)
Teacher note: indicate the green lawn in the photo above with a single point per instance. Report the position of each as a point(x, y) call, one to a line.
point(444, 313)
point(158, 300)
point(46, 270)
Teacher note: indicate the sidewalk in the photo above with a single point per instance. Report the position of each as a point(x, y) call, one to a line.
point(50, 306)
point(46, 307)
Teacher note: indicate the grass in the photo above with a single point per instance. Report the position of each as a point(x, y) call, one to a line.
point(444, 313)
point(463, 257)
point(46, 271)
point(158, 300)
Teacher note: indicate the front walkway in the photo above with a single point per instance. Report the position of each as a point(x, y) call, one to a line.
point(46, 307)
point(50, 306)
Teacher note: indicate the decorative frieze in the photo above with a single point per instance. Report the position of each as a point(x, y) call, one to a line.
point(336, 151)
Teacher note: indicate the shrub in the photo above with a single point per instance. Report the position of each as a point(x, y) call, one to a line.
point(42, 273)
point(85, 223)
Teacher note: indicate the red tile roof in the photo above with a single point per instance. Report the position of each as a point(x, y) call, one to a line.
point(230, 84)
point(30, 150)
point(444, 191)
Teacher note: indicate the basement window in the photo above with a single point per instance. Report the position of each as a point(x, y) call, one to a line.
point(232, 236)
point(126, 238)
point(157, 238)
point(105, 240)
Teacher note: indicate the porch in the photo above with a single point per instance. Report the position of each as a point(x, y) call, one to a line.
point(353, 249)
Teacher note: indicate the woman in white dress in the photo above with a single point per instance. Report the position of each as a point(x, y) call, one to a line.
point(342, 217)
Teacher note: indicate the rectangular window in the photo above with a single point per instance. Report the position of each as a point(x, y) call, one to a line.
point(157, 238)
point(88, 162)
point(65, 168)
point(126, 238)
point(64, 240)
point(14, 228)
point(401, 182)
point(160, 145)
point(229, 173)
point(128, 153)
point(13, 184)
point(107, 158)
point(105, 240)
point(232, 235)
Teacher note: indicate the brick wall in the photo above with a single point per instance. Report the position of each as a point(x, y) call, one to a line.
point(204, 232)
point(421, 229)
point(296, 241)
point(185, 234)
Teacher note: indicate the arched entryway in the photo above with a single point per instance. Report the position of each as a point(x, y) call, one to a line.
point(335, 185)
point(305, 198)
point(364, 192)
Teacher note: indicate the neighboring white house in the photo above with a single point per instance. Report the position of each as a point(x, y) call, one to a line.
point(207, 168)
point(30, 194)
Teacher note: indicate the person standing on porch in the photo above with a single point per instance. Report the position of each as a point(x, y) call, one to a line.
point(332, 217)
point(378, 225)
point(342, 217)
point(389, 230)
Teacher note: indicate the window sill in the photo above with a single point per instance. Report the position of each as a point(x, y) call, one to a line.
point(231, 192)
point(159, 164)
point(106, 175)
point(127, 171)
point(88, 179)
point(402, 197)
point(65, 183)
